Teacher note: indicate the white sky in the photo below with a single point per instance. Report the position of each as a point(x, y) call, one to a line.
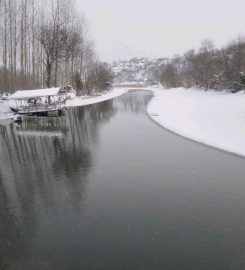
point(160, 28)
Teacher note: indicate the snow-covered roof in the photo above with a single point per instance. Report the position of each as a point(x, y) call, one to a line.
point(26, 94)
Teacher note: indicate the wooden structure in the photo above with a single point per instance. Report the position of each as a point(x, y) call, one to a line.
point(43, 102)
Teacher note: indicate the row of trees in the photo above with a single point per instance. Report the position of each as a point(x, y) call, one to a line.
point(207, 67)
point(47, 43)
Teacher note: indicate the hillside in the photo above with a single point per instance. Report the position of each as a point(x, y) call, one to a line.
point(137, 69)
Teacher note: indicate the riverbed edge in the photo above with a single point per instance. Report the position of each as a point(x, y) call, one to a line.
point(156, 116)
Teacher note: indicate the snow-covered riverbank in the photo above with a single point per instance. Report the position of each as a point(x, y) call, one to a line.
point(81, 101)
point(213, 118)
point(5, 112)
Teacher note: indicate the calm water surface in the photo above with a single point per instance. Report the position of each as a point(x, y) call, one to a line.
point(107, 188)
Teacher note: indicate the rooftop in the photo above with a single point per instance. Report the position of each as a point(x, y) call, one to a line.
point(27, 94)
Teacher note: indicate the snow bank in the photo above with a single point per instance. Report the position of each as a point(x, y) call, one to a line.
point(82, 101)
point(5, 112)
point(213, 118)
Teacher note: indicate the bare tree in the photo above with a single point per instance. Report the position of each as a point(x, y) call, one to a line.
point(44, 43)
point(169, 76)
point(57, 38)
point(99, 78)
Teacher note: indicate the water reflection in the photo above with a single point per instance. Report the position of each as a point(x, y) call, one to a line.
point(44, 169)
point(106, 188)
point(133, 102)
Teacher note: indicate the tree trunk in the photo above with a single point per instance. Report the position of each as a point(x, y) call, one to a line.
point(49, 73)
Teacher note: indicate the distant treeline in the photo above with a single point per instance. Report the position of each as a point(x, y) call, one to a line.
point(47, 43)
point(207, 67)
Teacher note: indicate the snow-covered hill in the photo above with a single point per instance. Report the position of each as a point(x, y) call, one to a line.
point(137, 69)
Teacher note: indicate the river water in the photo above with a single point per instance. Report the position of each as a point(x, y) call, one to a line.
point(107, 188)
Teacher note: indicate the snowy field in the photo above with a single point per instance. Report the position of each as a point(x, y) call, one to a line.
point(213, 118)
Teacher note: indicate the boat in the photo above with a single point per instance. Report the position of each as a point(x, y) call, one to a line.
point(48, 102)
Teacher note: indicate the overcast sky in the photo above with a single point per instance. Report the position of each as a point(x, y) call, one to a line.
point(158, 28)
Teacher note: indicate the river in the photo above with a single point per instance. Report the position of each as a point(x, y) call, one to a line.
point(106, 188)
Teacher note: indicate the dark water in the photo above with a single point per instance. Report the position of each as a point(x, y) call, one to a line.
point(106, 188)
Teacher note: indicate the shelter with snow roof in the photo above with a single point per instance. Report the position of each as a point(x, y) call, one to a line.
point(42, 102)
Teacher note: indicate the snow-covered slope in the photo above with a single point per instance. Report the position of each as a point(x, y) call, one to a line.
point(137, 69)
point(213, 118)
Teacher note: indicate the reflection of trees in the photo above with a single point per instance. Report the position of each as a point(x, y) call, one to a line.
point(40, 172)
point(137, 104)
point(9, 231)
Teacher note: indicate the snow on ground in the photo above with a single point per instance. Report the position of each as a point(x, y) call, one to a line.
point(213, 118)
point(5, 112)
point(82, 101)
